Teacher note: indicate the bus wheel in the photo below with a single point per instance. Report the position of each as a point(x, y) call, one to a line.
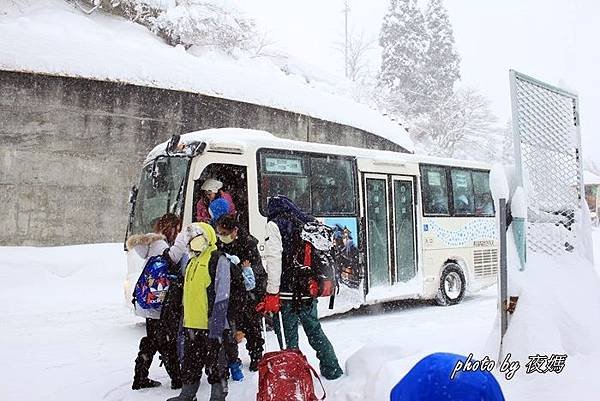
point(452, 285)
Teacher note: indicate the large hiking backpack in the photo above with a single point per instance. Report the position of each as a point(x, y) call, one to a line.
point(286, 375)
point(151, 287)
point(314, 261)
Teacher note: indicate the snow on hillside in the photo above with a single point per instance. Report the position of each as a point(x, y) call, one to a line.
point(53, 37)
point(66, 334)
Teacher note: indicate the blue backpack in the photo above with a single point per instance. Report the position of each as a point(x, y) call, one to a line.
point(151, 287)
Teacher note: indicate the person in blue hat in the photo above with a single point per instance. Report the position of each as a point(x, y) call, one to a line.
point(217, 208)
point(429, 380)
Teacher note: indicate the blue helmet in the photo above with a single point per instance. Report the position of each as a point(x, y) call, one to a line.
point(429, 380)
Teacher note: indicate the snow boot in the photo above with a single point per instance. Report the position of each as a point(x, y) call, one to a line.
point(236, 371)
point(188, 392)
point(334, 375)
point(142, 366)
point(255, 358)
point(218, 391)
point(173, 369)
point(253, 365)
point(144, 383)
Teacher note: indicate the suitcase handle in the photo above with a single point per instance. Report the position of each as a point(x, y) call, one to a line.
point(315, 374)
point(264, 324)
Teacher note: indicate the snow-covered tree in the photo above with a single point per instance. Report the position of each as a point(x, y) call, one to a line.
point(404, 41)
point(460, 126)
point(207, 24)
point(441, 64)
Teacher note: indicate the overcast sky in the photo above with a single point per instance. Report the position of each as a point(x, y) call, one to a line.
point(553, 40)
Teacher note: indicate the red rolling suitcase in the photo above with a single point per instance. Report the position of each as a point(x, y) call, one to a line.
point(286, 376)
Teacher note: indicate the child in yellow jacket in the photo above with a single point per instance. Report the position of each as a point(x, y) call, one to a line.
point(205, 305)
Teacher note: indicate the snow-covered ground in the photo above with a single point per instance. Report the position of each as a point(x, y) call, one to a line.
point(66, 335)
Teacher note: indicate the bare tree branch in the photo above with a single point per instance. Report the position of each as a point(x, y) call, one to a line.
point(359, 47)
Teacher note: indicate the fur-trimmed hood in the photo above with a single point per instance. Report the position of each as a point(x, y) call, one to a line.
point(147, 245)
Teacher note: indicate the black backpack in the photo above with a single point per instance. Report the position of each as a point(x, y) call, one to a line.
point(314, 262)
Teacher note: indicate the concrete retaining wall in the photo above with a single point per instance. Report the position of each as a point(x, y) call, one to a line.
point(71, 148)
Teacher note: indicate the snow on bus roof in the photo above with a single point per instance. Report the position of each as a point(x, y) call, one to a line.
point(52, 37)
point(240, 137)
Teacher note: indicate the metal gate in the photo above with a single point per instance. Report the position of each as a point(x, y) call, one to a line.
point(548, 161)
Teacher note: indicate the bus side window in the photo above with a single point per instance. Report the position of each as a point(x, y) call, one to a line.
point(332, 185)
point(462, 192)
point(284, 174)
point(484, 204)
point(435, 190)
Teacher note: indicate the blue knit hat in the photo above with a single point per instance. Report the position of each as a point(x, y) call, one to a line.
point(217, 208)
point(429, 380)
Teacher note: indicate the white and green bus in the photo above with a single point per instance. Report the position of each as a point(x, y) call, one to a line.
point(407, 226)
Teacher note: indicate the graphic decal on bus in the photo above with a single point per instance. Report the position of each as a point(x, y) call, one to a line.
point(452, 234)
point(346, 245)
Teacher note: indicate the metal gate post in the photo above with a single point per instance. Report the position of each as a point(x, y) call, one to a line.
point(503, 285)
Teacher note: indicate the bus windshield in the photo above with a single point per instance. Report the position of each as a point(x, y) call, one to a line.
point(161, 191)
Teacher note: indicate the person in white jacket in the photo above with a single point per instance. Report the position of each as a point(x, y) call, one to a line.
point(162, 328)
point(282, 292)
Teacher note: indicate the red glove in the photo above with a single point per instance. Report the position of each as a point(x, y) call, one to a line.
point(269, 304)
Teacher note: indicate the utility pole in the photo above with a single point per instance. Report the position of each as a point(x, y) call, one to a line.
point(346, 11)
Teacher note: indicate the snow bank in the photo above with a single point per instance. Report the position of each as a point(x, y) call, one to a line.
point(375, 370)
point(53, 37)
point(558, 312)
point(58, 270)
point(65, 326)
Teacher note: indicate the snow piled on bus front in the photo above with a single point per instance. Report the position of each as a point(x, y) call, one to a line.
point(54, 37)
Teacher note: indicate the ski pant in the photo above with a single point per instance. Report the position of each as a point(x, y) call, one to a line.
point(161, 336)
point(158, 339)
point(250, 324)
point(200, 352)
point(305, 312)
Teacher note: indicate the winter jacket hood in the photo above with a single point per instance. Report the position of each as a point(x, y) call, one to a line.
point(147, 245)
point(282, 243)
point(282, 205)
point(197, 280)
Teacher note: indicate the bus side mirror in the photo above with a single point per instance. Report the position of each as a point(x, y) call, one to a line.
point(173, 142)
point(198, 149)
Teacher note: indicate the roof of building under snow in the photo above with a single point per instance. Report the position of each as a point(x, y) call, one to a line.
point(590, 178)
point(53, 37)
